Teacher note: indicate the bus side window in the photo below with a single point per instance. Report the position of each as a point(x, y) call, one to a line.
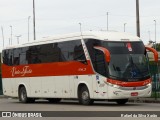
point(100, 63)
point(59, 51)
point(32, 55)
point(10, 60)
point(5, 55)
point(16, 56)
point(79, 53)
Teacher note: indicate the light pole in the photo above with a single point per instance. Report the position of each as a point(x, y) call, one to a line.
point(149, 35)
point(137, 18)
point(28, 27)
point(155, 33)
point(125, 27)
point(2, 35)
point(80, 25)
point(107, 21)
point(11, 35)
point(34, 23)
point(9, 41)
point(18, 36)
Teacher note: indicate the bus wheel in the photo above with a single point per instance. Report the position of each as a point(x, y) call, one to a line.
point(54, 100)
point(122, 101)
point(23, 95)
point(84, 97)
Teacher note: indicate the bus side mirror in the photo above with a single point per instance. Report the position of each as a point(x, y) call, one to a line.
point(154, 52)
point(105, 51)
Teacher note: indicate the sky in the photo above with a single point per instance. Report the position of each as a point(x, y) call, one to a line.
point(63, 16)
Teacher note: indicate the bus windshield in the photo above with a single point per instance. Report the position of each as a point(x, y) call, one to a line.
point(128, 66)
point(128, 60)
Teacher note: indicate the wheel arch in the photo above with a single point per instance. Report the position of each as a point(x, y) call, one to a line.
point(22, 85)
point(80, 85)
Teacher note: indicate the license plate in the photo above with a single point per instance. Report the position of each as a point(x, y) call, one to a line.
point(134, 94)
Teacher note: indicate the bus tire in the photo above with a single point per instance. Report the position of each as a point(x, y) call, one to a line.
point(54, 100)
point(84, 97)
point(23, 96)
point(121, 101)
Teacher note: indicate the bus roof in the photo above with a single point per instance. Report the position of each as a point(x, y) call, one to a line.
point(101, 35)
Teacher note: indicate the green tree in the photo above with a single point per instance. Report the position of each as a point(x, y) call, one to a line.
point(157, 46)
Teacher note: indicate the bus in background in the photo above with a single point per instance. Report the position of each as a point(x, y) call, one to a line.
point(95, 65)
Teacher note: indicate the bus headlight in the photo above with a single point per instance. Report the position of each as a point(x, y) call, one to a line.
point(148, 85)
point(113, 85)
point(116, 86)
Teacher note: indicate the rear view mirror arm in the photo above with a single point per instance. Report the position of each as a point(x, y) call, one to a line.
point(154, 52)
point(105, 51)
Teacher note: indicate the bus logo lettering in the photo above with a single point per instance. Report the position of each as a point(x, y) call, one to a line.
point(82, 69)
point(25, 70)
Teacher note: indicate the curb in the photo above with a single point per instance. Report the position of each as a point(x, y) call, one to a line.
point(2, 96)
point(145, 100)
point(6, 97)
point(134, 100)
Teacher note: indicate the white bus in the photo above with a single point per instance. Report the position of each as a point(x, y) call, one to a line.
point(93, 66)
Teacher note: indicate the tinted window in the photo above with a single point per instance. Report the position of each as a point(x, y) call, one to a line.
point(97, 57)
point(92, 52)
point(5, 56)
point(124, 47)
point(72, 50)
point(9, 57)
point(100, 64)
point(53, 52)
point(128, 61)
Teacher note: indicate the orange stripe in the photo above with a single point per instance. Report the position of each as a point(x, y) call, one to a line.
point(129, 84)
point(47, 69)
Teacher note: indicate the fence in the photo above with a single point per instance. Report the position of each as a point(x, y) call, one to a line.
point(155, 75)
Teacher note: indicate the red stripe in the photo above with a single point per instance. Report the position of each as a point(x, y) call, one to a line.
point(129, 84)
point(47, 69)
